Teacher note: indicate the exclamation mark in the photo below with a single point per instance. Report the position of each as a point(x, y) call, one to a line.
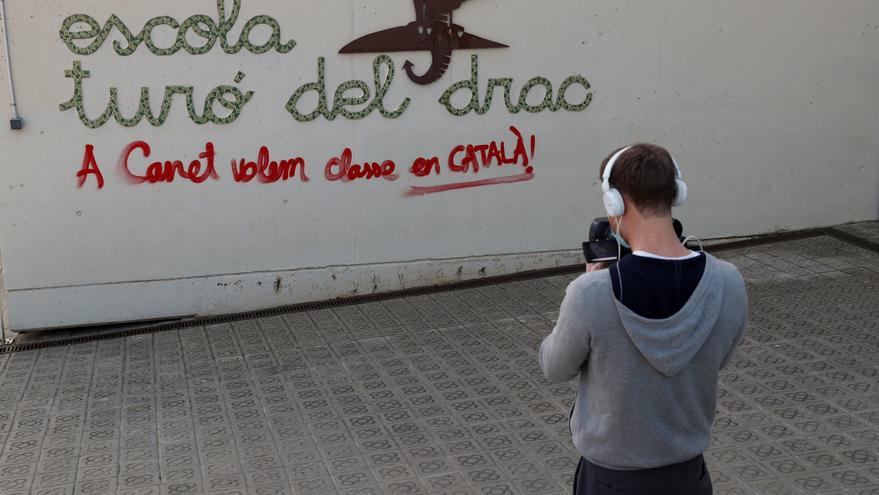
point(530, 170)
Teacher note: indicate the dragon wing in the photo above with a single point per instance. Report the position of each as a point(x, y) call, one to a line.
point(408, 39)
point(469, 41)
point(398, 39)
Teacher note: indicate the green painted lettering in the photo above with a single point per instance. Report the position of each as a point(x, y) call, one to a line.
point(227, 97)
point(341, 102)
point(78, 27)
point(549, 101)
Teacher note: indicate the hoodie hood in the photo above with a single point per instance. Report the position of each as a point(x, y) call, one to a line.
point(670, 344)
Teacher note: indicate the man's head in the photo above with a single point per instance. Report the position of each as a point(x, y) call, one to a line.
point(645, 176)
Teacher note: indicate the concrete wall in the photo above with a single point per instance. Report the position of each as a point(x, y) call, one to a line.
point(770, 106)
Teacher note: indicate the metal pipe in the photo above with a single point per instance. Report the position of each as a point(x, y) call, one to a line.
point(15, 117)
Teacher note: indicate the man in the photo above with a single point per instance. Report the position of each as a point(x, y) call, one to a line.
point(648, 338)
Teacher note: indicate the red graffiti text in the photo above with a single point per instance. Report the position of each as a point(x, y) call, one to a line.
point(422, 167)
point(158, 171)
point(90, 167)
point(470, 157)
point(268, 171)
point(341, 168)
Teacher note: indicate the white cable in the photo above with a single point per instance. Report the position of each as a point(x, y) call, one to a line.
point(8, 61)
point(688, 238)
point(619, 255)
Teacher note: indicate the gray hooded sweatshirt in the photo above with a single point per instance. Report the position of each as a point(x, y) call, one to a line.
point(648, 388)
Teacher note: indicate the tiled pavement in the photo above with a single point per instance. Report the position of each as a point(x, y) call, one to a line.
point(438, 394)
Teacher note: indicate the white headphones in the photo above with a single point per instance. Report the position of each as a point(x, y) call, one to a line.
point(613, 200)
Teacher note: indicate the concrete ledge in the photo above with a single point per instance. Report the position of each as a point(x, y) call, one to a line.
point(66, 307)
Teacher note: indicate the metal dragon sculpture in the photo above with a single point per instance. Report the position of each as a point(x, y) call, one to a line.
point(432, 30)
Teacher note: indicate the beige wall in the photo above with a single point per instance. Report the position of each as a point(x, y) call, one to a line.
point(770, 107)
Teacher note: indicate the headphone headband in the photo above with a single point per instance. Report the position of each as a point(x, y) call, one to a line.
point(677, 168)
point(613, 200)
point(605, 178)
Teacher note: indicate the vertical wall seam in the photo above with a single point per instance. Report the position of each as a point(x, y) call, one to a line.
point(5, 27)
point(4, 316)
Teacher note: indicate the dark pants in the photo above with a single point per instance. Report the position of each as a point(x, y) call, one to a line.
point(688, 478)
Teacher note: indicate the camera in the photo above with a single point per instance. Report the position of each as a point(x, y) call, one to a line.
point(602, 247)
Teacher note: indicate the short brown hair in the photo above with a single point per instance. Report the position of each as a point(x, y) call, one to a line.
point(646, 174)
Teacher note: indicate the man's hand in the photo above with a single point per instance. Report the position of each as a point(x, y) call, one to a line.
point(594, 267)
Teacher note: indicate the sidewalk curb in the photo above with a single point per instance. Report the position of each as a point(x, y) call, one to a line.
point(180, 324)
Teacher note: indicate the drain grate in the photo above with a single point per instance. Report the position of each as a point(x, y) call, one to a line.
point(369, 298)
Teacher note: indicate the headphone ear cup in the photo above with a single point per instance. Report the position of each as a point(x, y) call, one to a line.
point(681, 193)
point(613, 203)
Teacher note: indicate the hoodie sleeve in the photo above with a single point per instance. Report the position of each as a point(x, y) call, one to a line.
point(742, 303)
point(738, 340)
point(566, 349)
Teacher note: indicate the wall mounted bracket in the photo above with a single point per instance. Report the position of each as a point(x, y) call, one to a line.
point(15, 123)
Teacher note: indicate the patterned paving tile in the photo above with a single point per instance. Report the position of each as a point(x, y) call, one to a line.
point(438, 394)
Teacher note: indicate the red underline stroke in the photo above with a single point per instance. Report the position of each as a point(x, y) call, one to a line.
point(420, 191)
